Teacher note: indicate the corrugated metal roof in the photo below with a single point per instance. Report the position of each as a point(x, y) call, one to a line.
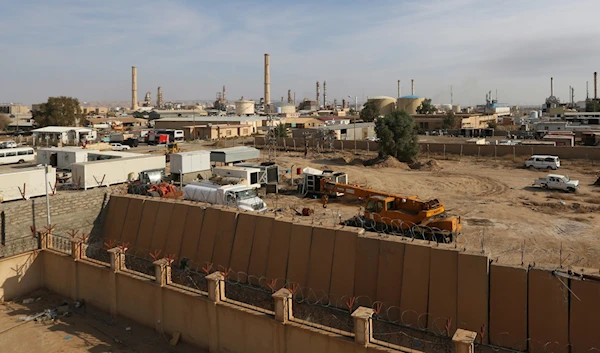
point(234, 154)
point(381, 97)
point(411, 97)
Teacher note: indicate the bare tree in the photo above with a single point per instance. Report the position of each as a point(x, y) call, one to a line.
point(4, 121)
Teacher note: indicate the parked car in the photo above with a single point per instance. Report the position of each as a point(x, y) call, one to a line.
point(119, 147)
point(543, 162)
point(557, 182)
point(8, 144)
point(374, 139)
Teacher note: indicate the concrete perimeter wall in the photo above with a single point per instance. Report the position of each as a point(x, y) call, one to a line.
point(212, 326)
point(424, 285)
point(576, 152)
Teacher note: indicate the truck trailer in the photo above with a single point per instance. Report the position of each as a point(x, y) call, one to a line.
point(113, 171)
point(238, 196)
point(23, 183)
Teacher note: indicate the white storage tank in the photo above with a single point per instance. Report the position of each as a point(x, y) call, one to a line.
point(533, 114)
point(244, 107)
point(456, 108)
point(409, 104)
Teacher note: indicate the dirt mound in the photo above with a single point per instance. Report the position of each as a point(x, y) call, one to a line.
point(430, 165)
point(388, 162)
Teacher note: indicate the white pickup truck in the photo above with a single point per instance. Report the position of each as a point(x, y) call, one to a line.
point(557, 182)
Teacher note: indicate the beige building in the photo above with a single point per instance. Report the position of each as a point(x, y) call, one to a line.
point(255, 122)
point(94, 110)
point(428, 122)
point(216, 132)
point(301, 123)
point(15, 109)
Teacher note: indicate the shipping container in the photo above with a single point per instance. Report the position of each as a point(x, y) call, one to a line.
point(190, 162)
point(269, 171)
point(113, 171)
point(249, 176)
point(23, 183)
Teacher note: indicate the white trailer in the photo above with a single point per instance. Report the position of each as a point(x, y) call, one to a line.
point(61, 158)
point(239, 196)
point(269, 171)
point(113, 171)
point(19, 183)
point(190, 162)
point(249, 176)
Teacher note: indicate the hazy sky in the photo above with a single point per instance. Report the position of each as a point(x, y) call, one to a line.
point(361, 48)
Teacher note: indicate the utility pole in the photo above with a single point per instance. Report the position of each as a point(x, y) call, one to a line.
point(47, 198)
point(451, 96)
point(355, 112)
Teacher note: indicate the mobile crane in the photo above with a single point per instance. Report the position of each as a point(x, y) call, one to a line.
point(395, 213)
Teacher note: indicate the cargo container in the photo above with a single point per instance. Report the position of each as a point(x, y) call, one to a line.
point(19, 183)
point(190, 162)
point(113, 171)
point(269, 171)
point(247, 176)
point(239, 196)
point(63, 158)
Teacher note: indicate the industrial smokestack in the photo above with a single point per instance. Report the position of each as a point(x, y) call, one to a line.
point(318, 92)
point(595, 85)
point(551, 86)
point(399, 89)
point(289, 96)
point(412, 87)
point(224, 95)
point(159, 97)
point(267, 80)
point(324, 94)
point(134, 101)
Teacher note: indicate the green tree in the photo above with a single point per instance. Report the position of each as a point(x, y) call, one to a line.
point(280, 131)
point(397, 135)
point(592, 106)
point(450, 121)
point(59, 111)
point(492, 124)
point(369, 112)
point(426, 107)
point(4, 121)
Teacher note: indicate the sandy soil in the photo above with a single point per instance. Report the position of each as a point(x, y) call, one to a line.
point(84, 329)
point(501, 212)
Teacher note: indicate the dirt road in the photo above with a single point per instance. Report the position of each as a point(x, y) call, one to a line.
point(501, 212)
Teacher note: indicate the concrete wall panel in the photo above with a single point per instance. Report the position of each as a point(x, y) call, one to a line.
point(206, 244)
point(133, 220)
point(585, 315)
point(342, 271)
point(389, 277)
point(473, 277)
point(176, 229)
point(161, 227)
point(191, 233)
point(28, 278)
point(224, 239)
point(279, 252)
point(186, 314)
point(365, 272)
point(95, 290)
point(242, 245)
point(133, 294)
point(443, 291)
point(260, 248)
point(320, 261)
point(508, 307)
point(300, 239)
point(547, 312)
point(414, 298)
point(115, 217)
point(146, 230)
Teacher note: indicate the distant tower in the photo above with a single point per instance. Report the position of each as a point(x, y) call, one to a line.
point(451, 96)
point(224, 96)
point(398, 88)
point(318, 92)
point(134, 101)
point(148, 97)
point(290, 101)
point(267, 96)
point(159, 98)
point(324, 94)
point(412, 87)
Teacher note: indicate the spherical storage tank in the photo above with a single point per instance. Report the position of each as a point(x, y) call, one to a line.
point(533, 114)
point(385, 104)
point(409, 103)
point(244, 107)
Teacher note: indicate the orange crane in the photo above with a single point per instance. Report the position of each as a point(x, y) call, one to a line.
point(391, 212)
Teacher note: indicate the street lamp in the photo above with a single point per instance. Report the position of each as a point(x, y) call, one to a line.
point(355, 112)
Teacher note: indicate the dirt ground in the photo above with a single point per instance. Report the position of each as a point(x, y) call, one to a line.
point(502, 214)
point(84, 329)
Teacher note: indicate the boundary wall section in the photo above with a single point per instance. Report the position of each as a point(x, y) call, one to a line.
point(428, 286)
point(576, 152)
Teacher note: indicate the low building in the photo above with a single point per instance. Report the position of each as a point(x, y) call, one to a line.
point(179, 123)
point(65, 135)
point(341, 132)
point(14, 108)
point(94, 110)
point(162, 114)
point(216, 132)
point(115, 123)
point(332, 120)
point(561, 139)
point(429, 122)
point(301, 123)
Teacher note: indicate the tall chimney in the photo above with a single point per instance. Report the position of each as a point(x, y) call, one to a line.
point(289, 96)
point(224, 94)
point(595, 85)
point(318, 92)
point(159, 98)
point(267, 80)
point(551, 86)
point(398, 88)
point(412, 87)
point(134, 101)
point(324, 94)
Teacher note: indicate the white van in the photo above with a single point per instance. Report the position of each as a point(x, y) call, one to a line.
point(543, 162)
point(17, 155)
